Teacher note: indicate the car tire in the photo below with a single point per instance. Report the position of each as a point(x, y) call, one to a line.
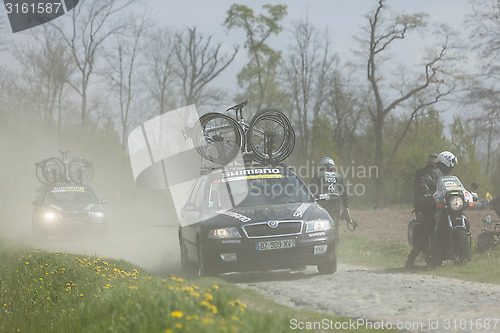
point(186, 269)
point(203, 269)
point(328, 267)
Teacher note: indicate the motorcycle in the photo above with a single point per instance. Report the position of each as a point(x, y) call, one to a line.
point(451, 239)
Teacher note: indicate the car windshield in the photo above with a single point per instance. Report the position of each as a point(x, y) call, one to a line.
point(70, 195)
point(253, 189)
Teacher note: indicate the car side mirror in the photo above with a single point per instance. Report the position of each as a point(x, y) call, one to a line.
point(104, 201)
point(36, 203)
point(475, 197)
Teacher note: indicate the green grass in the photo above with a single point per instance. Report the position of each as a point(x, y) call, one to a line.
point(392, 255)
point(69, 292)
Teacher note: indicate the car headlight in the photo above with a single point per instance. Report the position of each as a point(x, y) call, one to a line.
point(231, 232)
point(456, 203)
point(97, 215)
point(50, 216)
point(318, 225)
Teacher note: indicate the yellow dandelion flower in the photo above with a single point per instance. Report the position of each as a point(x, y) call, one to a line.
point(207, 321)
point(177, 314)
point(180, 280)
point(4, 304)
point(188, 317)
point(178, 325)
point(81, 295)
point(27, 263)
point(208, 297)
point(48, 298)
point(62, 269)
point(168, 330)
point(215, 286)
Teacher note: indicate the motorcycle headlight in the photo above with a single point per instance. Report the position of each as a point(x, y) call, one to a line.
point(231, 232)
point(456, 203)
point(318, 225)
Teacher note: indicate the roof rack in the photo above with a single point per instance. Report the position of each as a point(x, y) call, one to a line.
point(56, 171)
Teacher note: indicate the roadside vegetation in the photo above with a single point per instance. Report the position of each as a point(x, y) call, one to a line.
point(392, 255)
point(69, 292)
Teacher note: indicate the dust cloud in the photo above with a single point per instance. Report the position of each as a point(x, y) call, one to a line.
point(142, 224)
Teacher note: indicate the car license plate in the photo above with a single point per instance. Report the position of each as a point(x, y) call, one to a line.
point(275, 245)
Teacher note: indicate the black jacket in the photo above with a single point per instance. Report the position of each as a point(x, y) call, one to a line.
point(425, 185)
point(330, 183)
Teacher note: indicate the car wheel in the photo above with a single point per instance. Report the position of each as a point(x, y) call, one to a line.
point(328, 267)
point(185, 268)
point(203, 269)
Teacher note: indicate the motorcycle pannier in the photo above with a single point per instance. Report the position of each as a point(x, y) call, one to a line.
point(496, 205)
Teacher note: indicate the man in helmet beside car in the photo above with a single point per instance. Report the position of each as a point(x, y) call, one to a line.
point(330, 183)
point(425, 209)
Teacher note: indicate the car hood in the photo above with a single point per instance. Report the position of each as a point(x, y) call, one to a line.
point(289, 211)
point(76, 206)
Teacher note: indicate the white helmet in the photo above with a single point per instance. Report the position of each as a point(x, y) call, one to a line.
point(447, 158)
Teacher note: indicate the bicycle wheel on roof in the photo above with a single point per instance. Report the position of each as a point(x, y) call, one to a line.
point(270, 136)
point(52, 170)
point(218, 138)
point(81, 171)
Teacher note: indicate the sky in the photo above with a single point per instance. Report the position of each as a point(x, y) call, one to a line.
point(342, 18)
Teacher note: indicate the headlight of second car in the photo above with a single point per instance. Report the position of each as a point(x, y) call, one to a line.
point(456, 203)
point(318, 225)
point(97, 215)
point(221, 233)
point(50, 216)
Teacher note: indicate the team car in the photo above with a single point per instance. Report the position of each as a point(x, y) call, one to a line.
point(252, 219)
point(68, 210)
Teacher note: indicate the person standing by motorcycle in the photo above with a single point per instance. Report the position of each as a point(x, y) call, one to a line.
point(329, 181)
point(425, 209)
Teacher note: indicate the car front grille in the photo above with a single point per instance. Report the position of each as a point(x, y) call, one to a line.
point(263, 229)
point(74, 215)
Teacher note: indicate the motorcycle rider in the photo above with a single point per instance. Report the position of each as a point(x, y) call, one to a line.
point(329, 181)
point(425, 209)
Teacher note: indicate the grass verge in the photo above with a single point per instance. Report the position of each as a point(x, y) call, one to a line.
point(68, 292)
point(389, 254)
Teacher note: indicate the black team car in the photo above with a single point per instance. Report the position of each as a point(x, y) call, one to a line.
point(68, 211)
point(252, 219)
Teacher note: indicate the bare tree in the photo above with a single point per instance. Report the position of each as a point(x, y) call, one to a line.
point(485, 40)
point(429, 85)
point(47, 67)
point(159, 74)
point(90, 27)
point(198, 64)
point(122, 68)
point(306, 71)
point(485, 36)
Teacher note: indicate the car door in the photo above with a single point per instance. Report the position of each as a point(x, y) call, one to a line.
point(191, 215)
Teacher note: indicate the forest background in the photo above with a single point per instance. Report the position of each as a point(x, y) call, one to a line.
point(83, 83)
